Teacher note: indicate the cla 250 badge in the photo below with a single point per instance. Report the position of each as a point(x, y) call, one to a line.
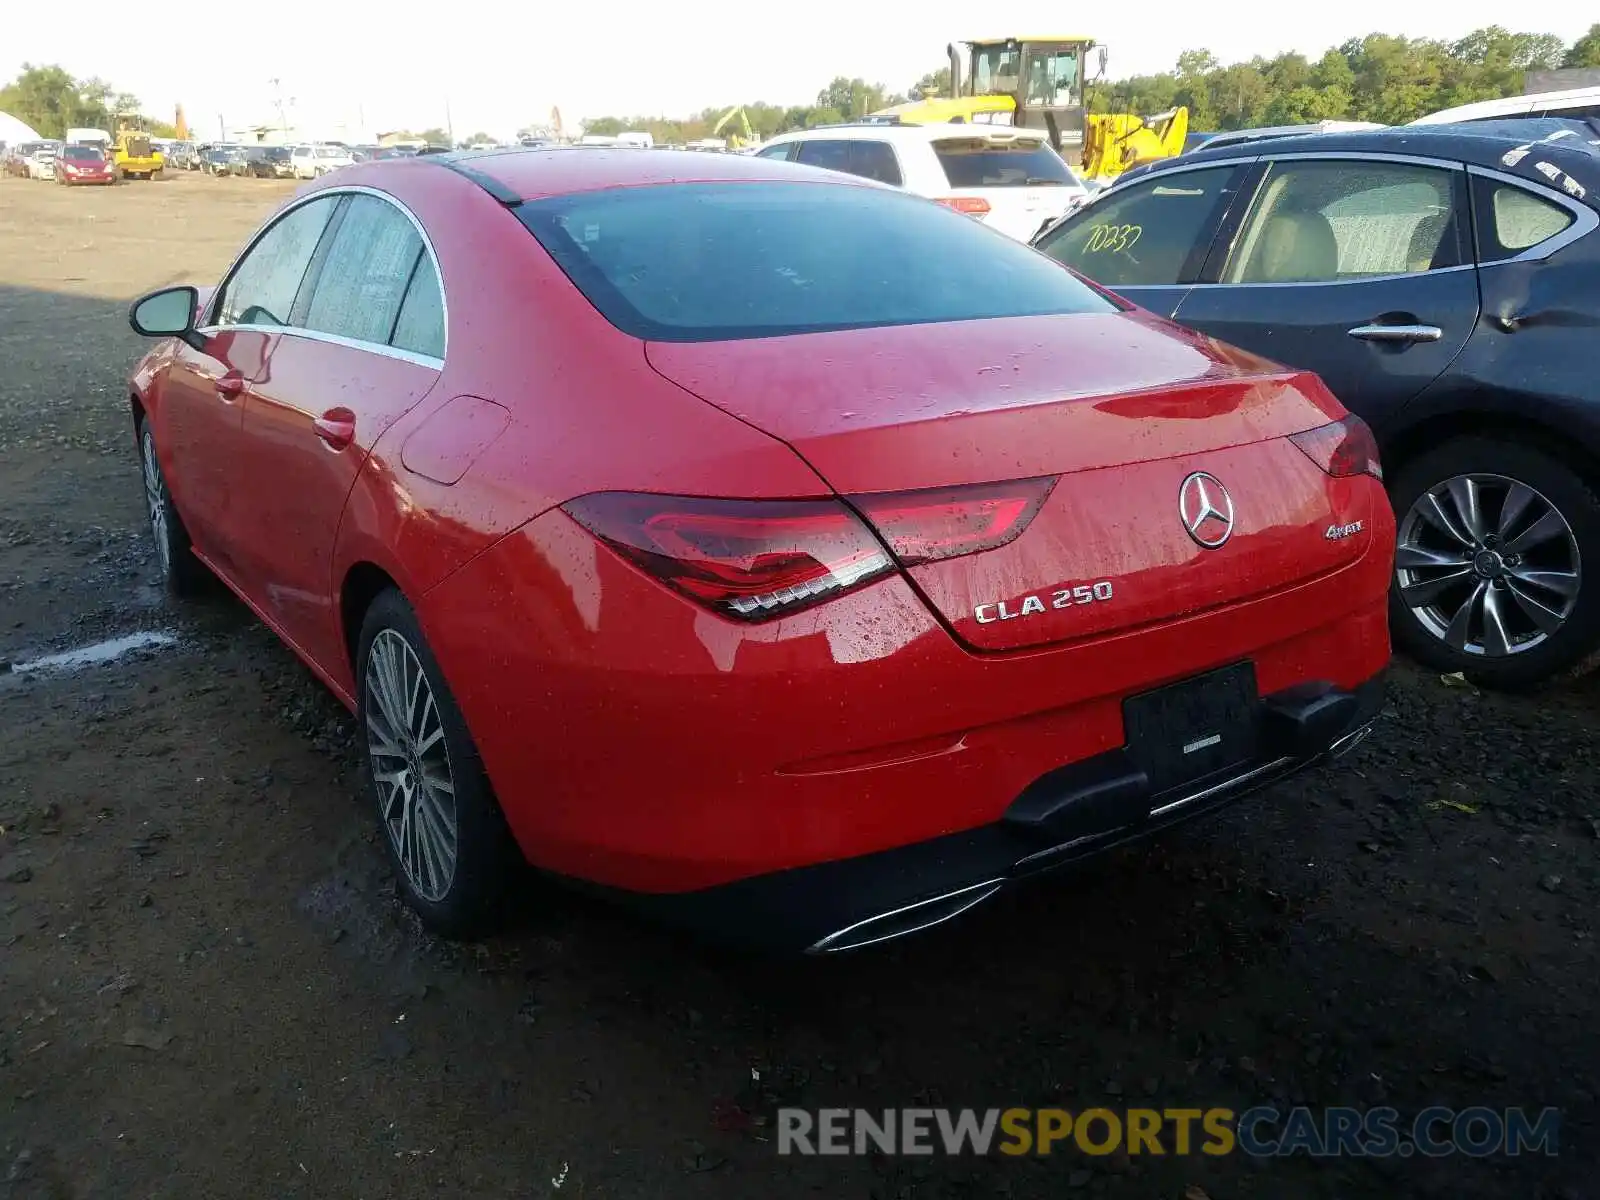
point(1065, 597)
point(1335, 532)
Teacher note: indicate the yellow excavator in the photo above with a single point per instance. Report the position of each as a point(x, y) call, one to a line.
point(1039, 83)
point(745, 136)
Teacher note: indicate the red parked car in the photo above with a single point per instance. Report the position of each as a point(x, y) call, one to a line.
point(794, 556)
point(84, 164)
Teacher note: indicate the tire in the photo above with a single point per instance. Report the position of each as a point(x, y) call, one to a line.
point(182, 574)
point(1548, 610)
point(411, 747)
point(154, 175)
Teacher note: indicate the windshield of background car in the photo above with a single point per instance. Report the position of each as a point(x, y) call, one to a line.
point(329, 152)
point(980, 163)
point(83, 154)
point(720, 261)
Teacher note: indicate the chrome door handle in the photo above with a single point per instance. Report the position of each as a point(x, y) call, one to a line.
point(1397, 333)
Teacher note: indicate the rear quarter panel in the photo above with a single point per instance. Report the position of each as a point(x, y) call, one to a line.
point(584, 411)
point(1531, 358)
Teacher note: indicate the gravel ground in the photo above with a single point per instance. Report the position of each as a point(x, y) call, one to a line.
point(207, 988)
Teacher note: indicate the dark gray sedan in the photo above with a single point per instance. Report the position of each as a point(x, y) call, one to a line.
point(1445, 282)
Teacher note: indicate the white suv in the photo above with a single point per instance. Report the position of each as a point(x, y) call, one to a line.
point(310, 162)
point(1011, 179)
point(1574, 104)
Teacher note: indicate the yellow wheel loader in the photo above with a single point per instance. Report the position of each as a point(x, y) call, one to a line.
point(135, 157)
point(1118, 142)
point(1039, 83)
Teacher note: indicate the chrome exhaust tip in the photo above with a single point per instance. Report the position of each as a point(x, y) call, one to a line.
point(898, 922)
point(1350, 741)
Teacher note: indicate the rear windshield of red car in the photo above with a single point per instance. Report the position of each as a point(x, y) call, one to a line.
point(723, 261)
point(979, 163)
point(83, 154)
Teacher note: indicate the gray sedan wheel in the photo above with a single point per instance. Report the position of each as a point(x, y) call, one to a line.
point(1492, 540)
point(1488, 565)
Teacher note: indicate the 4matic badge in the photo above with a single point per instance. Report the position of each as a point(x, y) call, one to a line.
point(1335, 532)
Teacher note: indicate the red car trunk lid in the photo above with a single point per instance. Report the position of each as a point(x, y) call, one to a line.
point(1122, 407)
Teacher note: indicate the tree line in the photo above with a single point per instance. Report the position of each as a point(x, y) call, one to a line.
point(1379, 77)
point(1382, 78)
point(52, 102)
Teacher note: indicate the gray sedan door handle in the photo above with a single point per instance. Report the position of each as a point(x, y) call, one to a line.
point(1397, 333)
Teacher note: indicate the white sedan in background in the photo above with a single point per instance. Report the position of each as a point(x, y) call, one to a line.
point(42, 163)
point(1008, 178)
point(313, 162)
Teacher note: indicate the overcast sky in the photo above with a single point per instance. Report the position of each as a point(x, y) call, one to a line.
point(502, 65)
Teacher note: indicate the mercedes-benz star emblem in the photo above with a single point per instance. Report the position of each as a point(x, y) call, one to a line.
point(1206, 509)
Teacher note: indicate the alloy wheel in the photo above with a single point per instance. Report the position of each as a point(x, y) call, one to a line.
point(1488, 565)
point(410, 764)
point(155, 496)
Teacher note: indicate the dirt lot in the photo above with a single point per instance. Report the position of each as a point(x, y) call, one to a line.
point(207, 989)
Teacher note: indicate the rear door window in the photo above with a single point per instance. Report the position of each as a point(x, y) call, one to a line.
point(832, 154)
point(1513, 219)
point(866, 159)
point(781, 152)
point(362, 281)
point(1154, 233)
point(420, 326)
point(875, 160)
point(1339, 219)
point(977, 162)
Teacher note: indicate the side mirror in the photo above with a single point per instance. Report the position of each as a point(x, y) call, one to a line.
point(169, 312)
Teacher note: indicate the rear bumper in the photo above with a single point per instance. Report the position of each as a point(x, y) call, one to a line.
point(1063, 817)
point(639, 743)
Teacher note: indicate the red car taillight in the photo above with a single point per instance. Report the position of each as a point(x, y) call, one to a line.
point(925, 526)
point(1345, 447)
point(751, 559)
point(758, 559)
point(973, 206)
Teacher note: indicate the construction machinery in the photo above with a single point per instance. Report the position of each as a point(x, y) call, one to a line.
point(1033, 82)
point(135, 157)
point(1041, 83)
point(1118, 142)
point(745, 135)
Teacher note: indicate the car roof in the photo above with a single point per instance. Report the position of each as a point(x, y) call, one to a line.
point(523, 173)
point(879, 130)
point(1228, 137)
point(1548, 151)
point(1511, 105)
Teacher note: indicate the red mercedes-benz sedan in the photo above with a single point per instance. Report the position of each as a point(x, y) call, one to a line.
point(787, 552)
